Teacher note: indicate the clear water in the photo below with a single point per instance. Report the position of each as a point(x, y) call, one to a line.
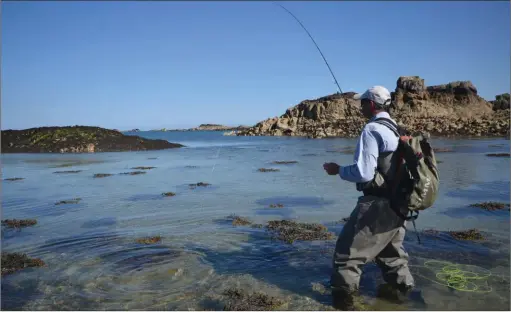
point(93, 261)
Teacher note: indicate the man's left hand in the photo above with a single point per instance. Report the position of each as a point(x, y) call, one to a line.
point(331, 168)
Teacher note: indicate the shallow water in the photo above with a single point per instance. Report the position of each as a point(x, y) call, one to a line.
point(93, 261)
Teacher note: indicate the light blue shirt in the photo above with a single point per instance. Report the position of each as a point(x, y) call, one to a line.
point(374, 139)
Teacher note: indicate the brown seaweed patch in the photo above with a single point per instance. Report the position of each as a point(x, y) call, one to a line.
point(285, 162)
point(143, 168)
point(149, 240)
point(289, 231)
point(442, 150)
point(133, 173)
point(237, 220)
point(491, 206)
point(472, 234)
point(498, 155)
point(240, 300)
point(12, 262)
point(69, 201)
point(68, 171)
point(102, 175)
point(14, 223)
point(14, 179)
point(169, 194)
point(268, 170)
point(276, 206)
point(200, 184)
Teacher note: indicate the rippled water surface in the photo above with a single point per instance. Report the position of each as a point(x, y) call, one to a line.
point(94, 262)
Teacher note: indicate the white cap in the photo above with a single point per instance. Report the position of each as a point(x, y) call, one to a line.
point(377, 94)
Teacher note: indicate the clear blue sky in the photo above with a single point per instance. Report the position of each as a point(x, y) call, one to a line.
point(179, 64)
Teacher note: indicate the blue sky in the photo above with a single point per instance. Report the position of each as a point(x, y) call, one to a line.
point(170, 64)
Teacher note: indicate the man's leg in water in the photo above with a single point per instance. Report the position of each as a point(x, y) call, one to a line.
point(393, 261)
point(371, 227)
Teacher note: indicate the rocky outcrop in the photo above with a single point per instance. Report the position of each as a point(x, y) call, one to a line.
point(453, 109)
point(501, 102)
point(77, 139)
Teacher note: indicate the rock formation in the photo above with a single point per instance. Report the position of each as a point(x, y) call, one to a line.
point(453, 109)
point(77, 139)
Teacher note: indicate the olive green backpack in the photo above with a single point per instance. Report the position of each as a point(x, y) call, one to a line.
point(416, 180)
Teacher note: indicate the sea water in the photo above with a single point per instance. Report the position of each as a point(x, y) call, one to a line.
point(93, 261)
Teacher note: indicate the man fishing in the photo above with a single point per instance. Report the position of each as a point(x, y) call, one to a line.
point(374, 231)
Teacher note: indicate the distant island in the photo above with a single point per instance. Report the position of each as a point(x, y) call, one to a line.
point(202, 127)
point(453, 109)
point(76, 139)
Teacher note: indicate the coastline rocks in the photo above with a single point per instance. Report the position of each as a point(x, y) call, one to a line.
point(453, 109)
point(76, 139)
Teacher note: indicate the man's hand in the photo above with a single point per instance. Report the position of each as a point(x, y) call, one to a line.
point(331, 168)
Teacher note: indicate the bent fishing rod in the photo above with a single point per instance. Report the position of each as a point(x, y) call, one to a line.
point(314, 41)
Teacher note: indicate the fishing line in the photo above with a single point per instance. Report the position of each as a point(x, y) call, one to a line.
point(314, 41)
point(460, 277)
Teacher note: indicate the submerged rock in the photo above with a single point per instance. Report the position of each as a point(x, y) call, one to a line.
point(14, 179)
point(149, 240)
point(240, 300)
point(276, 206)
point(133, 173)
point(268, 170)
point(285, 162)
point(68, 171)
point(498, 155)
point(12, 262)
point(143, 168)
point(200, 184)
point(169, 194)
point(69, 201)
point(102, 175)
point(14, 223)
point(472, 234)
point(237, 220)
point(491, 206)
point(289, 231)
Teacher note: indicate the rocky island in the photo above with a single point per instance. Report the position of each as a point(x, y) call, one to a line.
point(212, 127)
point(453, 109)
point(77, 139)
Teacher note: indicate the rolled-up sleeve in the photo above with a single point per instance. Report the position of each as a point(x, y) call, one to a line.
point(365, 160)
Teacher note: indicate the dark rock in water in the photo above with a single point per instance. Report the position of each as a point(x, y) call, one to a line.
point(472, 234)
point(70, 201)
point(14, 179)
point(77, 139)
point(491, 206)
point(276, 206)
point(240, 300)
point(285, 162)
point(68, 171)
point(102, 175)
point(200, 184)
point(12, 262)
point(143, 168)
point(442, 150)
point(268, 170)
point(14, 223)
point(149, 240)
point(133, 173)
point(289, 231)
point(169, 194)
point(498, 155)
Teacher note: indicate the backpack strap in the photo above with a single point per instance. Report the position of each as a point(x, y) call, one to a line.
point(389, 124)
